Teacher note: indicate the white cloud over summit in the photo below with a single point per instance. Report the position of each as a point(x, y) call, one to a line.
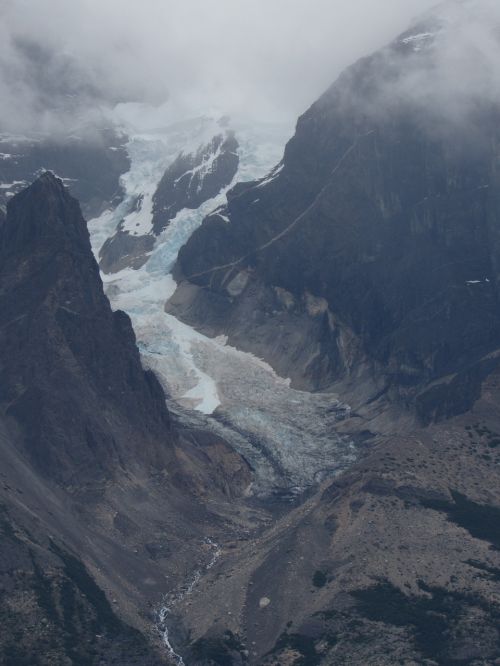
point(265, 58)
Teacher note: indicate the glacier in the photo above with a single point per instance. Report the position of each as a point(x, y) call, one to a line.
point(288, 436)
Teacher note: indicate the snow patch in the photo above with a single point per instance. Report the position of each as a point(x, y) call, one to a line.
point(272, 176)
point(419, 41)
point(9, 186)
point(202, 169)
point(42, 170)
point(474, 282)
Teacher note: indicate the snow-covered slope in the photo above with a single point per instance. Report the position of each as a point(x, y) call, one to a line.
point(193, 179)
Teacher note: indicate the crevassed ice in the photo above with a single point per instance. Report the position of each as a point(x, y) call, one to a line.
point(285, 434)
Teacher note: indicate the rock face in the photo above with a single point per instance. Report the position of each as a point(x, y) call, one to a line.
point(124, 250)
point(368, 260)
point(193, 179)
point(52, 610)
point(103, 508)
point(76, 411)
point(386, 214)
point(57, 323)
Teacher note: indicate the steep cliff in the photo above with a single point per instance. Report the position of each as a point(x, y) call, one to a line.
point(102, 510)
point(374, 242)
point(71, 375)
point(368, 261)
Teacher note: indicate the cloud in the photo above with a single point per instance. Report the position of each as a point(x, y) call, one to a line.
point(446, 68)
point(61, 61)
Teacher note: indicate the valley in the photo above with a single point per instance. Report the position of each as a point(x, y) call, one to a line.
point(250, 373)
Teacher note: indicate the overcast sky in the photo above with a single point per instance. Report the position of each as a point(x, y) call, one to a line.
point(268, 58)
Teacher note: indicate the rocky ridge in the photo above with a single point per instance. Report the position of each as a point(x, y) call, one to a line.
point(102, 497)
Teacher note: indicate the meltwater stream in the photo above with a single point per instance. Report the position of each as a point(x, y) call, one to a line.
point(288, 436)
point(174, 598)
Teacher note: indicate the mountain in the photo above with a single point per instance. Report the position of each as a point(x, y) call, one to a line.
point(102, 496)
point(83, 407)
point(366, 263)
point(371, 252)
point(348, 516)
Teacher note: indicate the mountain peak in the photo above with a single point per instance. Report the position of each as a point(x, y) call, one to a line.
point(43, 216)
point(50, 284)
point(49, 179)
point(46, 184)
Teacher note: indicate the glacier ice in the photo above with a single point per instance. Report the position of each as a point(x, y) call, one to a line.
point(286, 435)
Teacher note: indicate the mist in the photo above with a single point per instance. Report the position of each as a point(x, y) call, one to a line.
point(62, 63)
point(455, 73)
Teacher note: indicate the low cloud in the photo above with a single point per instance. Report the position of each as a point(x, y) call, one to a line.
point(61, 62)
point(455, 71)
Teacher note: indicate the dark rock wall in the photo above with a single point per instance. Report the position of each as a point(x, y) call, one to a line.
point(384, 210)
point(70, 371)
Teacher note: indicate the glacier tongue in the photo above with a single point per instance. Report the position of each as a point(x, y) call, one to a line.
point(285, 434)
